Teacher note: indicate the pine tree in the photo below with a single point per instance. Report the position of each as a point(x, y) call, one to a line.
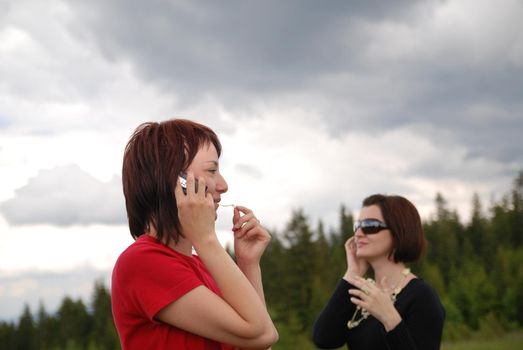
point(45, 329)
point(500, 222)
point(74, 323)
point(442, 235)
point(8, 335)
point(516, 215)
point(322, 277)
point(103, 332)
point(274, 272)
point(25, 333)
point(337, 256)
point(480, 236)
point(300, 269)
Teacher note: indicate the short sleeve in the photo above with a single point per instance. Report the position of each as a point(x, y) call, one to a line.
point(153, 278)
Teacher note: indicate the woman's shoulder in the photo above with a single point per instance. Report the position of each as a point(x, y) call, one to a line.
point(419, 289)
point(142, 245)
point(146, 253)
point(420, 285)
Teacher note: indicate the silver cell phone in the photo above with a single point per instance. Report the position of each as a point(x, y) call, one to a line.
point(183, 183)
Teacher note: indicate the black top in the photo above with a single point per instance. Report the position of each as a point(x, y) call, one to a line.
point(420, 329)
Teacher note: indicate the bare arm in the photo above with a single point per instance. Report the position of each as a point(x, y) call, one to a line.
point(238, 318)
point(253, 274)
point(250, 241)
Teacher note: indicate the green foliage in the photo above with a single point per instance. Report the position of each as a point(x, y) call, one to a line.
point(74, 323)
point(25, 333)
point(291, 335)
point(103, 333)
point(8, 335)
point(454, 328)
point(511, 341)
point(472, 293)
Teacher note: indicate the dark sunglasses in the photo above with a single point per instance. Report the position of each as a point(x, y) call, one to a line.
point(369, 226)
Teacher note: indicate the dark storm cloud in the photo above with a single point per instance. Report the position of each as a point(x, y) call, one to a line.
point(66, 196)
point(332, 56)
point(203, 46)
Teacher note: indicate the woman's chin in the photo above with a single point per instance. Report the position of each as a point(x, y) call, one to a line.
point(360, 253)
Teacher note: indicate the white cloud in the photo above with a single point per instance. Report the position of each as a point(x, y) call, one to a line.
point(451, 33)
point(302, 166)
point(66, 196)
point(51, 248)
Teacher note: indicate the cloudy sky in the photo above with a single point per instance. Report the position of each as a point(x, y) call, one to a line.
point(317, 103)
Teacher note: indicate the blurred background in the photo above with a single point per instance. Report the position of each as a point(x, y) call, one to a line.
point(317, 105)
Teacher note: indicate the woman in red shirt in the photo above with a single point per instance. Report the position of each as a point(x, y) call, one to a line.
point(163, 295)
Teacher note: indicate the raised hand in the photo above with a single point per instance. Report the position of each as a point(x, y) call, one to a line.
point(250, 238)
point(376, 301)
point(355, 266)
point(195, 210)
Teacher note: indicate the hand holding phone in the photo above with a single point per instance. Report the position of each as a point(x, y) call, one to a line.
point(196, 210)
point(355, 265)
point(183, 183)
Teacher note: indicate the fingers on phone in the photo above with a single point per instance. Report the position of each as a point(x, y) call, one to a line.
point(190, 183)
point(200, 190)
point(179, 191)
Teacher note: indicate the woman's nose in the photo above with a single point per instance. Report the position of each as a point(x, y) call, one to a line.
point(359, 232)
point(221, 185)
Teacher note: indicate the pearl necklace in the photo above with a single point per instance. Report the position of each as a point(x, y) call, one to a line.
point(396, 289)
point(364, 313)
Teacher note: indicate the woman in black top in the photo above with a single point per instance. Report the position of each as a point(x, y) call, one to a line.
point(399, 311)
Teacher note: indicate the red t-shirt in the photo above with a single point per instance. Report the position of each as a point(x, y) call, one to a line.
point(147, 277)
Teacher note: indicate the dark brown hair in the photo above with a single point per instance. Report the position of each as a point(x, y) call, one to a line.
point(404, 223)
point(154, 157)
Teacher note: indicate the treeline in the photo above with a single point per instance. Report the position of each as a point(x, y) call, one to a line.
point(477, 269)
point(75, 326)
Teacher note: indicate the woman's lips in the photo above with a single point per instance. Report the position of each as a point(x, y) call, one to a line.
point(360, 244)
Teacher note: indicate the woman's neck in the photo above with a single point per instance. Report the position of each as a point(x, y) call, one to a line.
point(388, 274)
point(184, 246)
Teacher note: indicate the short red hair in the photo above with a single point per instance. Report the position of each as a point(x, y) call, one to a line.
point(154, 157)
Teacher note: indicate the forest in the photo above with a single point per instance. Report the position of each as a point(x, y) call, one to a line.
point(477, 269)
